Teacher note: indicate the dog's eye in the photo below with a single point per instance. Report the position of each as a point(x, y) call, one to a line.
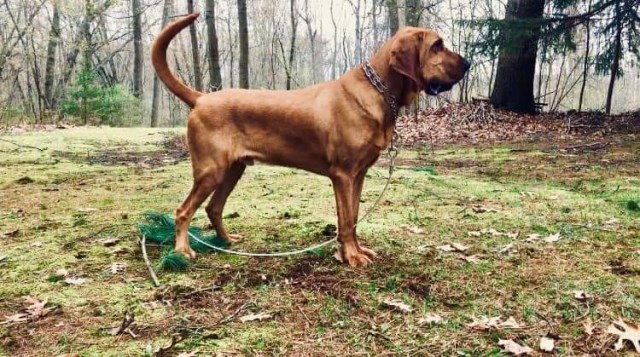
point(437, 46)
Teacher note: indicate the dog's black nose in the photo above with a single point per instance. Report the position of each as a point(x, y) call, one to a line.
point(465, 64)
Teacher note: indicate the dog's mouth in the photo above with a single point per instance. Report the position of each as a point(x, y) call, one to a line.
point(435, 88)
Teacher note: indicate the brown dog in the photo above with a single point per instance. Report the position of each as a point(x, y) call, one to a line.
point(335, 129)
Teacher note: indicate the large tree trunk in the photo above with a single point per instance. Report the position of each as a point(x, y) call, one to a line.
point(243, 37)
point(392, 12)
point(513, 87)
point(615, 66)
point(54, 38)
point(195, 51)
point(155, 101)
point(215, 78)
point(137, 48)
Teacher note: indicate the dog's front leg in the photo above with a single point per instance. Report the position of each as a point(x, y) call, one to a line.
point(351, 252)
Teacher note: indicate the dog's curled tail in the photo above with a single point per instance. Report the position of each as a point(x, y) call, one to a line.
point(159, 60)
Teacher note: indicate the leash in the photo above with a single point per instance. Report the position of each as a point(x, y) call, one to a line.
point(392, 152)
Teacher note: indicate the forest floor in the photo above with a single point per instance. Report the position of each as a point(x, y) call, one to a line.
point(481, 241)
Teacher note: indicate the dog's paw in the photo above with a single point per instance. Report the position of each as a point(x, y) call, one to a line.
point(355, 257)
point(368, 252)
point(234, 238)
point(187, 252)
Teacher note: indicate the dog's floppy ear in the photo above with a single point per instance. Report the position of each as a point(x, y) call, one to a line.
point(405, 57)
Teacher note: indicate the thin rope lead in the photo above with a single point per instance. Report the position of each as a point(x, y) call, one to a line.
point(392, 152)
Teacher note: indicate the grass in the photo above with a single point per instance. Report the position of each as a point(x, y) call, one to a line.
point(63, 205)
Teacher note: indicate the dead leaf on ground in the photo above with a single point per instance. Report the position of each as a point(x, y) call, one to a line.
point(588, 327)
point(109, 242)
point(446, 248)
point(506, 248)
point(514, 348)
point(398, 305)
point(36, 310)
point(3, 257)
point(256, 317)
point(430, 318)
point(87, 209)
point(547, 344)
point(552, 238)
point(474, 233)
point(453, 247)
point(415, 230)
point(487, 323)
point(581, 295)
point(482, 209)
point(126, 324)
point(36, 244)
point(533, 237)
point(11, 234)
point(116, 268)
point(75, 280)
point(186, 354)
point(473, 259)
point(625, 331)
point(528, 194)
point(612, 222)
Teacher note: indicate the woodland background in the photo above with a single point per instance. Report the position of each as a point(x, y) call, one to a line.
point(87, 61)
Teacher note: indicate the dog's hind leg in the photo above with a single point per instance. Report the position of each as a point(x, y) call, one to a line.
point(219, 199)
point(203, 184)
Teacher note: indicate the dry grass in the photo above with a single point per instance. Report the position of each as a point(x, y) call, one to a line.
point(319, 307)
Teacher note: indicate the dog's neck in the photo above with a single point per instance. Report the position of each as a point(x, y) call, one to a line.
point(402, 89)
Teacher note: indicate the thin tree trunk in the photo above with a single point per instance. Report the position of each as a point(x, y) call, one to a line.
point(215, 78)
point(54, 38)
point(392, 12)
point(243, 36)
point(585, 69)
point(615, 66)
point(195, 51)
point(155, 101)
point(292, 48)
point(137, 48)
point(334, 64)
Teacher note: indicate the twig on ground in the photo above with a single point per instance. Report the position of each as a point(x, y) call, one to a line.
point(234, 314)
point(23, 146)
point(128, 320)
point(162, 351)
point(146, 261)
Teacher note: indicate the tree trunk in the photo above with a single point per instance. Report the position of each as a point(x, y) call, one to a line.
point(137, 48)
point(413, 11)
point(167, 11)
point(215, 78)
point(195, 51)
point(513, 87)
point(243, 37)
point(357, 55)
point(402, 12)
point(615, 66)
point(334, 64)
point(585, 69)
point(54, 38)
point(392, 12)
point(292, 48)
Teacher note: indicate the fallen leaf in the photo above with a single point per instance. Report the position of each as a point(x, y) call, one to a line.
point(492, 232)
point(611, 222)
point(430, 318)
point(36, 244)
point(397, 304)
point(62, 272)
point(482, 209)
point(186, 354)
point(506, 248)
point(109, 242)
point(588, 327)
point(11, 234)
point(116, 268)
point(547, 344)
point(513, 235)
point(474, 234)
point(473, 259)
point(486, 323)
point(87, 209)
point(512, 347)
point(256, 317)
point(446, 248)
point(625, 331)
point(581, 295)
point(75, 281)
point(552, 238)
point(459, 247)
point(528, 194)
point(3, 257)
point(532, 237)
point(415, 230)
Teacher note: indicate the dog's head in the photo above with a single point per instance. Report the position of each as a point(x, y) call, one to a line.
point(420, 55)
